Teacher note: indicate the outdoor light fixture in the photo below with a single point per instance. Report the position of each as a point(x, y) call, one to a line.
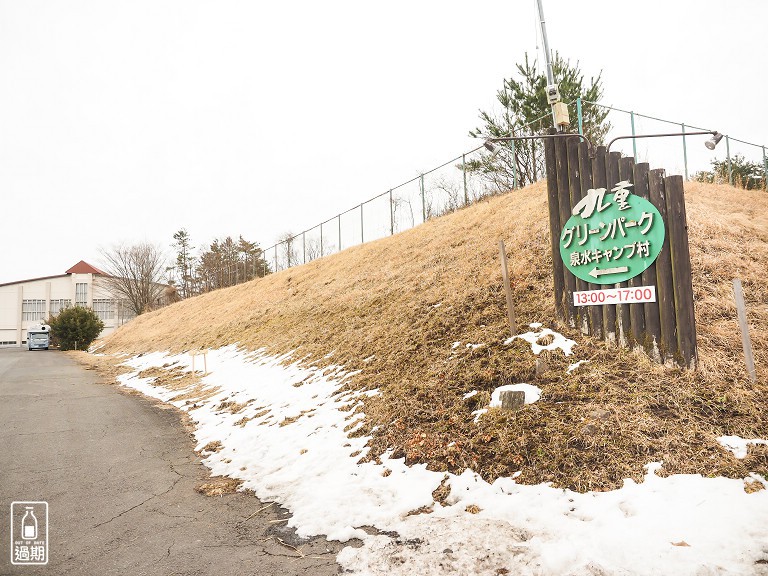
point(714, 141)
point(710, 144)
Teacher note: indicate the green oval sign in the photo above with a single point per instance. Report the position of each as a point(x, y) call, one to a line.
point(611, 237)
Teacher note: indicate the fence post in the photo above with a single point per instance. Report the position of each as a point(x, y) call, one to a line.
point(362, 234)
point(339, 217)
point(765, 170)
point(321, 240)
point(634, 140)
point(275, 257)
point(745, 340)
point(391, 215)
point(304, 244)
point(507, 289)
point(514, 165)
point(464, 170)
point(579, 115)
point(728, 154)
point(423, 203)
point(685, 153)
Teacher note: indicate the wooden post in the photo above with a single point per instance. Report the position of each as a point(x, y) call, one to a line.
point(507, 289)
point(665, 295)
point(611, 319)
point(554, 223)
point(512, 399)
point(746, 342)
point(608, 312)
point(681, 270)
point(585, 173)
point(651, 336)
point(623, 312)
point(564, 201)
point(574, 192)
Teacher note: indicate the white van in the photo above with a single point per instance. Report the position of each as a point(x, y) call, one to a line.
point(38, 337)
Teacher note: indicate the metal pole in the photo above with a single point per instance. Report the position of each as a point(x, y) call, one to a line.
point(304, 244)
point(514, 165)
point(275, 257)
point(321, 240)
point(730, 168)
point(339, 217)
point(362, 235)
point(685, 153)
point(580, 116)
point(547, 56)
point(391, 215)
point(423, 202)
point(464, 170)
point(765, 170)
point(634, 142)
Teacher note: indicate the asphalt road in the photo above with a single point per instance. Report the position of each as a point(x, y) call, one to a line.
point(118, 472)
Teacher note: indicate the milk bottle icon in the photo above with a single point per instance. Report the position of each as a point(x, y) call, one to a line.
point(29, 524)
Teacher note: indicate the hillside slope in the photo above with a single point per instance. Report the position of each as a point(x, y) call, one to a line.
point(394, 309)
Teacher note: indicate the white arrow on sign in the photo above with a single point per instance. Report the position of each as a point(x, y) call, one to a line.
point(597, 272)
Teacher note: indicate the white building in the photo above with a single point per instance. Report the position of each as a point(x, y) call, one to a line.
point(29, 302)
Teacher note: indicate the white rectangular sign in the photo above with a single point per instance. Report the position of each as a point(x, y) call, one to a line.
point(627, 295)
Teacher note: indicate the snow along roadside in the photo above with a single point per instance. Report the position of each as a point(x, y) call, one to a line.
point(290, 443)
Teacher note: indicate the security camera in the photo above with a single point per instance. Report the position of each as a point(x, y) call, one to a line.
point(553, 94)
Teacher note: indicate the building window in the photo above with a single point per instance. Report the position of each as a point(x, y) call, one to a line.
point(104, 308)
point(81, 294)
point(59, 305)
point(33, 310)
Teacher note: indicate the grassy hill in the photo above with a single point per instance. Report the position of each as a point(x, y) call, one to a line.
point(394, 308)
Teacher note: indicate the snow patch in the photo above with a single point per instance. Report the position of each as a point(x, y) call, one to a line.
point(558, 340)
point(738, 446)
point(532, 393)
point(685, 525)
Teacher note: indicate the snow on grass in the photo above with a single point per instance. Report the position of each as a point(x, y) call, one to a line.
point(532, 393)
point(575, 365)
point(288, 440)
point(737, 445)
point(533, 337)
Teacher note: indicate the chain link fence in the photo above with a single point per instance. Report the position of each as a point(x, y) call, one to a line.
point(451, 185)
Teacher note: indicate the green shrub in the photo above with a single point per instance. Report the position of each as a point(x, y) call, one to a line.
point(76, 328)
point(746, 174)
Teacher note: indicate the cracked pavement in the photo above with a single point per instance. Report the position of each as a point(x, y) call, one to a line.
point(118, 472)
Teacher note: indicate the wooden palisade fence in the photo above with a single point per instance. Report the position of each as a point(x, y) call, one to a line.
point(665, 328)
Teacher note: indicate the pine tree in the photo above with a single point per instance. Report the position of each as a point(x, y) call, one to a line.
point(185, 262)
point(527, 112)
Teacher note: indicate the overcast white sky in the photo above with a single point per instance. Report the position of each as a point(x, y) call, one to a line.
point(125, 121)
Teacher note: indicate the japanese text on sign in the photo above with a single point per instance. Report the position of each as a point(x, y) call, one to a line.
point(609, 240)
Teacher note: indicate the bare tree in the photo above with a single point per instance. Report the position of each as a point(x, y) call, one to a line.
point(287, 249)
point(135, 274)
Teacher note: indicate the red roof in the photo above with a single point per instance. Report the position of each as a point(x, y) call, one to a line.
point(83, 267)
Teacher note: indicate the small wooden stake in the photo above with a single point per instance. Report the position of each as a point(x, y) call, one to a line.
point(507, 289)
point(512, 399)
point(746, 342)
point(204, 354)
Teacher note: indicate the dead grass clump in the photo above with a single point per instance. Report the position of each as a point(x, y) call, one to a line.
point(231, 406)
point(214, 446)
point(422, 315)
point(218, 486)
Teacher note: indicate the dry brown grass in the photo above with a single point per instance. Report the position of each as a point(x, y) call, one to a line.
point(218, 486)
point(406, 299)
